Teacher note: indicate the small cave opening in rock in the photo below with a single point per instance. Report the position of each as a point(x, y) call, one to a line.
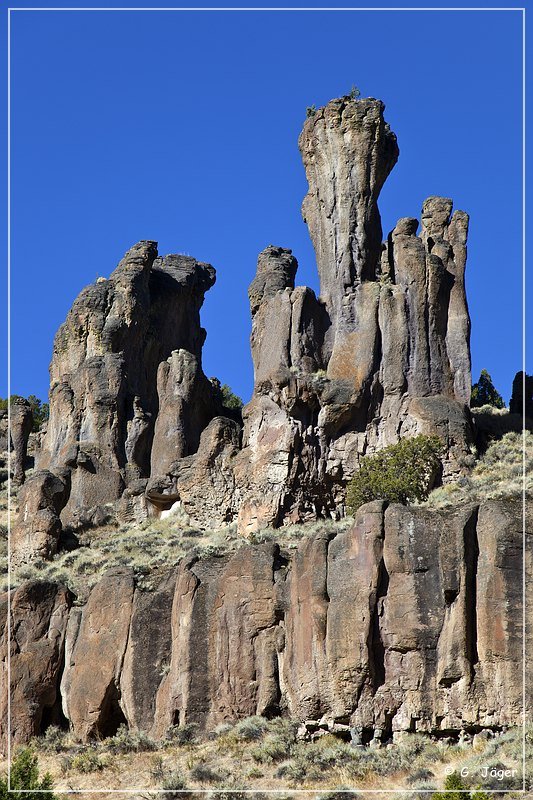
point(176, 717)
point(111, 715)
point(53, 716)
point(450, 595)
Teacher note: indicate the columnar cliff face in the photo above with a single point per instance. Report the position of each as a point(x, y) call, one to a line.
point(410, 620)
point(382, 354)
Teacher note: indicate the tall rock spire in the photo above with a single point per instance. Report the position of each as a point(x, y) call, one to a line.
point(348, 150)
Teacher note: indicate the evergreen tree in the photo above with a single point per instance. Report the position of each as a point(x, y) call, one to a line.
point(454, 789)
point(25, 775)
point(484, 393)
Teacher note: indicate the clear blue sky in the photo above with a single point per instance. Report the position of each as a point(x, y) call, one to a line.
point(183, 127)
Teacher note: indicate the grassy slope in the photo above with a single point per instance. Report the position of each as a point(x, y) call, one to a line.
point(257, 754)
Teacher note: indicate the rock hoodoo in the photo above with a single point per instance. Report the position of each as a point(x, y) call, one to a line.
point(127, 387)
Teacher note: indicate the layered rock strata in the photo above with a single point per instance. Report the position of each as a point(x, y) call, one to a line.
point(410, 620)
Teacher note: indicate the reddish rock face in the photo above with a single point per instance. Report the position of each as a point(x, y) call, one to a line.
point(411, 620)
point(96, 644)
point(226, 633)
point(39, 614)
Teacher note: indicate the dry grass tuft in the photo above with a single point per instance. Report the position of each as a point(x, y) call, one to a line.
point(497, 475)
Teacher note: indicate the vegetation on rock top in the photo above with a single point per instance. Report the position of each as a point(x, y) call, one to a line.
point(39, 409)
point(400, 473)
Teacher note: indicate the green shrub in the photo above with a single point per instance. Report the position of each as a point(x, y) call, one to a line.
point(310, 111)
point(89, 761)
point(52, 741)
point(126, 741)
point(203, 773)
point(400, 473)
point(183, 734)
point(454, 789)
point(229, 398)
point(273, 748)
point(25, 775)
point(484, 392)
point(173, 786)
point(250, 728)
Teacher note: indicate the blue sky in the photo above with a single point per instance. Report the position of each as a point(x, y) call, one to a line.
point(182, 127)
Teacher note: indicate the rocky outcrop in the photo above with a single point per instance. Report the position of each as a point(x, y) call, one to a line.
point(15, 430)
point(204, 483)
point(131, 346)
point(35, 640)
point(186, 406)
point(382, 354)
point(348, 151)
point(522, 397)
point(21, 424)
point(96, 645)
point(410, 620)
point(38, 526)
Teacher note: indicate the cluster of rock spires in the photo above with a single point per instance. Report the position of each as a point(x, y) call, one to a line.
point(408, 621)
point(382, 354)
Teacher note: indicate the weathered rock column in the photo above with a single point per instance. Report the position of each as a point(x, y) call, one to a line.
point(21, 424)
point(348, 151)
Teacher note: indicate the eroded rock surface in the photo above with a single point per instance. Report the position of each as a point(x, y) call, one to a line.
point(410, 620)
point(39, 614)
point(105, 392)
point(21, 425)
point(36, 533)
point(382, 354)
